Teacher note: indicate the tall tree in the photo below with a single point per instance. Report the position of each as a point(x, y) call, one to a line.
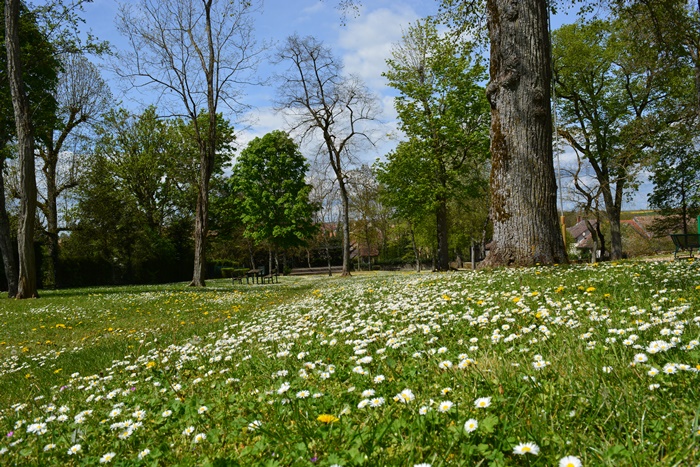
point(275, 207)
point(39, 67)
point(676, 177)
point(27, 283)
point(523, 185)
point(200, 52)
point(614, 83)
point(324, 102)
point(82, 97)
point(442, 107)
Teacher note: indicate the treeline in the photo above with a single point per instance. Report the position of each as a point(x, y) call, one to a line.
point(124, 197)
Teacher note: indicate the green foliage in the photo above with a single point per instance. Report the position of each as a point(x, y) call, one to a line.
point(270, 177)
point(40, 68)
point(676, 178)
point(443, 110)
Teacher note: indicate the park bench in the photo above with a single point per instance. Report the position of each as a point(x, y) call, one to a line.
point(272, 277)
point(316, 270)
point(685, 242)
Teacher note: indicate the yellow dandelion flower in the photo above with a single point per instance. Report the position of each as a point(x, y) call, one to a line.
point(327, 418)
point(590, 289)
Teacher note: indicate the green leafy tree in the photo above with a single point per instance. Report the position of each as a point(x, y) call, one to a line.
point(444, 112)
point(275, 207)
point(676, 177)
point(615, 85)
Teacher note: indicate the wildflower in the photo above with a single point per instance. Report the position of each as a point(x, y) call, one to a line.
point(302, 394)
point(570, 461)
point(526, 448)
point(199, 437)
point(363, 403)
point(445, 365)
point(327, 418)
point(75, 449)
point(482, 402)
point(405, 396)
point(284, 388)
point(607, 369)
point(188, 431)
point(379, 379)
point(424, 410)
point(445, 391)
point(653, 371)
point(144, 453)
point(640, 358)
point(254, 425)
point(368, 393)
point(107, 457)
point(167, 413)
point(376, 402)
point(471, 425)
point(445, 406)
point(49, 447)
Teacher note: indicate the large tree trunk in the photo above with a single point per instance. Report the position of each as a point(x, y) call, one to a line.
point(443, 258)
point(6, 246)
point(346, 227)
point(523, 186)
point(26, 284)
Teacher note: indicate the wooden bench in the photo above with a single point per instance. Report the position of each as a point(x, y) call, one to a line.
point(316, 270)
point(273, 277)
point(685, 242)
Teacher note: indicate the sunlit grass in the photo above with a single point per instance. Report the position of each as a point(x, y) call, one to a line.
point(596, 362)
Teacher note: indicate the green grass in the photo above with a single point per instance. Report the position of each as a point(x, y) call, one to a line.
point(243, 373)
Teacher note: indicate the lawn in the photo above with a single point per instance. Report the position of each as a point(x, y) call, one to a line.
point(563, 365)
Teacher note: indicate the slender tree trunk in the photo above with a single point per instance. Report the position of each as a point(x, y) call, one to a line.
point(26, 284)
point(200, 223)
point(523, 185)
point(6, 246)
point(346, 227)
point(415, 247)
point(443, 257)
point(51, 213)
point(613, 206)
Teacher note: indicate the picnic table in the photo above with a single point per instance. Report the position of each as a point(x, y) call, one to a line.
point(685, 242)
point(255, 275)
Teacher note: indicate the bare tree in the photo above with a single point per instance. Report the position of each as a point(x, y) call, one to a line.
point(199, 53)
point(328, 105)
point(26, 284)
point(82, 96)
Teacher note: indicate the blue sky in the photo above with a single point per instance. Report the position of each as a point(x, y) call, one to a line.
point(364, 44)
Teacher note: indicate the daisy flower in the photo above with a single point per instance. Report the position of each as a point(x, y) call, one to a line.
point(188, 431)
point(376, 402)
point(199, 437)
point(471, 425)
point(302, 394)
point(526, 448)
point(167, 413)
point(570, 461)
point(144, 453)
point(405, 396)
point(482, 402)
point(75, 449)
point(445, 406)
point(107, 457)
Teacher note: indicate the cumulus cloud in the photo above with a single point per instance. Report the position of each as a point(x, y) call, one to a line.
point(367, 42)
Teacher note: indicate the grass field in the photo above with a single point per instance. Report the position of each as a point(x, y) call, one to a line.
point(580, 365)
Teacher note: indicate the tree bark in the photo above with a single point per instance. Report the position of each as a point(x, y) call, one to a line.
point(200, 223)
point(346, 226)
point(26, 284)
point(6, 246)
point(443, 258)
point(523, 185)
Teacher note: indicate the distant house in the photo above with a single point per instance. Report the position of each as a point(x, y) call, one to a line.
point(583, 240)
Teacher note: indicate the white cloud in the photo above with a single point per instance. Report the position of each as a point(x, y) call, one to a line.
point(367, 41)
